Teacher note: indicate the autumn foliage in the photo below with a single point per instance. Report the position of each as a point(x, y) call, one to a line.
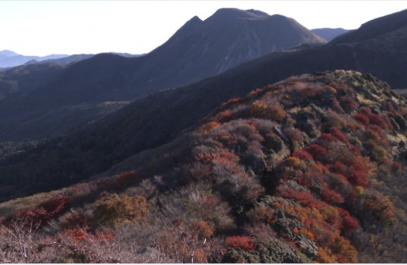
point(242, 242)
point(310, 165)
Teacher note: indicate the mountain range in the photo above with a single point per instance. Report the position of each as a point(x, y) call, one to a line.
point(198, 50)
point(11, 59)
point(298, 161)
point(329, 34)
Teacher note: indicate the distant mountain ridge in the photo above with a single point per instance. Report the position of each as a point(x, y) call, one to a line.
point(11, 59)
point(329, 34)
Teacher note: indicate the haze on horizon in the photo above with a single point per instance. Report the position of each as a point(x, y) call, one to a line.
point(75, 27)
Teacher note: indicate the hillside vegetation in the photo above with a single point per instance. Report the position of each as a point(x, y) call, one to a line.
point(309, 169)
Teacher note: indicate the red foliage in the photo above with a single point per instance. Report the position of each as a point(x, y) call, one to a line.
point(355, 150)
point(208, 127)
point(378, 120)
point(331, 196)
point(390, 106)
point(334, 220)
point(76, 233)
point(243, 242)
point(125, 178)
point(356, 162)
point(303, 197)
point(335, 106)
point(81, 234)
point(377, 130)
point(358, 178)
point(348, 104)
point(224, 116)
point(303, 155)
point(230, 102)
point(104, 235)
point(338, 134)
point(254, 92)
point(349, 224)
point(315, 150)
point(339, 168)
point(353, 169)
point(45, 211)
point(365, 110)
point(362, 118)
point(327, 137)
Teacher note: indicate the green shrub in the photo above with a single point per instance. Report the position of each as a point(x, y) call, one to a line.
point(273, 142)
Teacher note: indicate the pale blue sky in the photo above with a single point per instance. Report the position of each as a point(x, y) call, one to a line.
point(72, 27)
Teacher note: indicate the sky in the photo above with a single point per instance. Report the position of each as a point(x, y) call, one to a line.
point(76, 27)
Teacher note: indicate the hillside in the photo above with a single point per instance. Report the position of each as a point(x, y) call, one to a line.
point(375, 28)
point(309, 169)
point(26, 78)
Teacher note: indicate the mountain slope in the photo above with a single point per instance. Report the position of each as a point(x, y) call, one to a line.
point(69, 59)
point(309, 169)
point(26, 78)
point(375, 28)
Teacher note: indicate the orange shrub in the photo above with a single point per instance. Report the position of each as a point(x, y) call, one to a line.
point(208, 127)
point(262, 110)
point(242, 242)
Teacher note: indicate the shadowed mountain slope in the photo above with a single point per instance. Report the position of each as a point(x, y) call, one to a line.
point(26, 78)
point(375, 28)
point(309, 169)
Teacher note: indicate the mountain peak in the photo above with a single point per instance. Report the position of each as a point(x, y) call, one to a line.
point(234, 13)
point(8, 53)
